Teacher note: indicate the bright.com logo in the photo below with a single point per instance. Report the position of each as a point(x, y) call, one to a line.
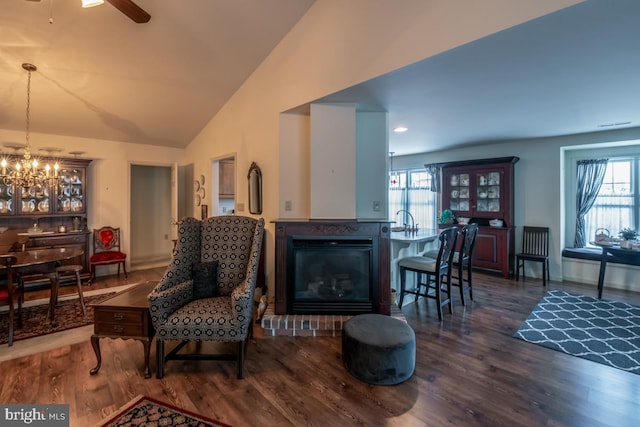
point(36, 415)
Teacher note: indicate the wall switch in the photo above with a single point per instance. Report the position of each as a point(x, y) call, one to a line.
point(287, 205)
point(166, 237)
point(240, 207)
point(376, 206)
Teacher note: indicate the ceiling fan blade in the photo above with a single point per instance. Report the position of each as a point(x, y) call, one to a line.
point(132, 10)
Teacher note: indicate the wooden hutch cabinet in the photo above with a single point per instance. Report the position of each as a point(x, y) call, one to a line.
point(49, 216)
point(483, 190)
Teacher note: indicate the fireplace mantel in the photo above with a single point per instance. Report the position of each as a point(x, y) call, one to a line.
point(379, 232)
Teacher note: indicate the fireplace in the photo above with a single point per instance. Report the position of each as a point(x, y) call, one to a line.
point(331, 275)
point(332, 267)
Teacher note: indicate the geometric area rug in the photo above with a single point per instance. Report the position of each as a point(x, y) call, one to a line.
point(606, 332)
point(146, 411)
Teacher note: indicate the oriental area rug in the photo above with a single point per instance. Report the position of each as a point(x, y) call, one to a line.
point(606, 332)
point(146, 411)
point(35, 319)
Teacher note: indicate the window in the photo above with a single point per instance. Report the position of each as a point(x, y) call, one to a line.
point(409, 190)
point(616, 206)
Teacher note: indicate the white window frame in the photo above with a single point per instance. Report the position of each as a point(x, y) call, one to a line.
point(623, 194)
point(424, 212)
point(622, 149)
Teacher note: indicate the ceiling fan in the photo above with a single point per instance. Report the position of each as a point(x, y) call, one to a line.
point(132, 10)
point(128, 7)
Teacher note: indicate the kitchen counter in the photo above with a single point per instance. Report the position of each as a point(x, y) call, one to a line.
point(423, 235)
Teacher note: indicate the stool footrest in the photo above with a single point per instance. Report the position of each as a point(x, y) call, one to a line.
point(385, 357)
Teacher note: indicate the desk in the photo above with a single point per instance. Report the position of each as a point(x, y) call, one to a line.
point(616, 251)
point(44, 261)
point(409, 244)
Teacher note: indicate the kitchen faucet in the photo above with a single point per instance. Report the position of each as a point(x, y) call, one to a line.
point(414, 226)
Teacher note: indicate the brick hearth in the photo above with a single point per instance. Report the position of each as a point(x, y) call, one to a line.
point(309, 325)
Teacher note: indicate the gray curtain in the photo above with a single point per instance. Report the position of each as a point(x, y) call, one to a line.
point(434, 171)
point(589, 180)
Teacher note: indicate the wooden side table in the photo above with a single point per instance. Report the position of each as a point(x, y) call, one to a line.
point(126, 316)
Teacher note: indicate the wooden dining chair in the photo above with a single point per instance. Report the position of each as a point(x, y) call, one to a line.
point(461, 276)
point(437, 272)
point(11, 292)
point(535, 247)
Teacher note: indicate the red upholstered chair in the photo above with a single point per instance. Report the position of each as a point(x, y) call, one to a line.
point(106, 250)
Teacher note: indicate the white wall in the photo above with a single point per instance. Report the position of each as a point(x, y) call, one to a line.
point(295, 161)
point(372, 149)
point(333, 161)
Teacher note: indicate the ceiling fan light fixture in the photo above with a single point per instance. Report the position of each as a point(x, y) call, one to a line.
point(92, 3)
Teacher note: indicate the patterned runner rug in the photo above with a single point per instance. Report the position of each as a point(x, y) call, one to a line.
point(142, 411)
point(35, 319)
point(606, 332)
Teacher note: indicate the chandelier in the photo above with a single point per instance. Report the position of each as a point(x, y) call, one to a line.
point(27, 170)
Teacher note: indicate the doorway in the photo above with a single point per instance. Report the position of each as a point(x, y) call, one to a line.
point(153, 212)
point(223, 191)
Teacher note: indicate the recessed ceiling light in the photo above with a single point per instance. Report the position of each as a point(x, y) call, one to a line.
point(400, 129)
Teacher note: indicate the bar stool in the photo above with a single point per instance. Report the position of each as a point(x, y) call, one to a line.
point(462, 261)
point(437, 272)
point(55, 276)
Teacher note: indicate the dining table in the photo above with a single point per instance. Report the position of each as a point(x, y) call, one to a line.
point(622, 255)
point(43, 261)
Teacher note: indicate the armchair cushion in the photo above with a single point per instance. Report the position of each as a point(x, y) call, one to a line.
point(205, 279)
point(206, 319)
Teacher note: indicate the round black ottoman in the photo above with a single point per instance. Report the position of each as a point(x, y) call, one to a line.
point(378, 349)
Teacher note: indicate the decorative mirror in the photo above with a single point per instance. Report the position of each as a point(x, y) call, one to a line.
point(255, 189)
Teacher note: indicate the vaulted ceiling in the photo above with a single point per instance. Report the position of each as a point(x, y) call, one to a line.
point(102, 76)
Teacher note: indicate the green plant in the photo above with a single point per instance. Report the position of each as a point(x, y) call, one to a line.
point(446, 217)
point(628, 233)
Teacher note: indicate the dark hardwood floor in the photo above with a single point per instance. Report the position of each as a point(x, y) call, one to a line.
point(469, 371)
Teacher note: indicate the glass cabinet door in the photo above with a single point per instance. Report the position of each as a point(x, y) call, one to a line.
point(488, 191)
point(6, 199)
point(459, 192)
point(34, 200)
point(71, 191)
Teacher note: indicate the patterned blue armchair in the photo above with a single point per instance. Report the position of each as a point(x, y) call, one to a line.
point(206, 294)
